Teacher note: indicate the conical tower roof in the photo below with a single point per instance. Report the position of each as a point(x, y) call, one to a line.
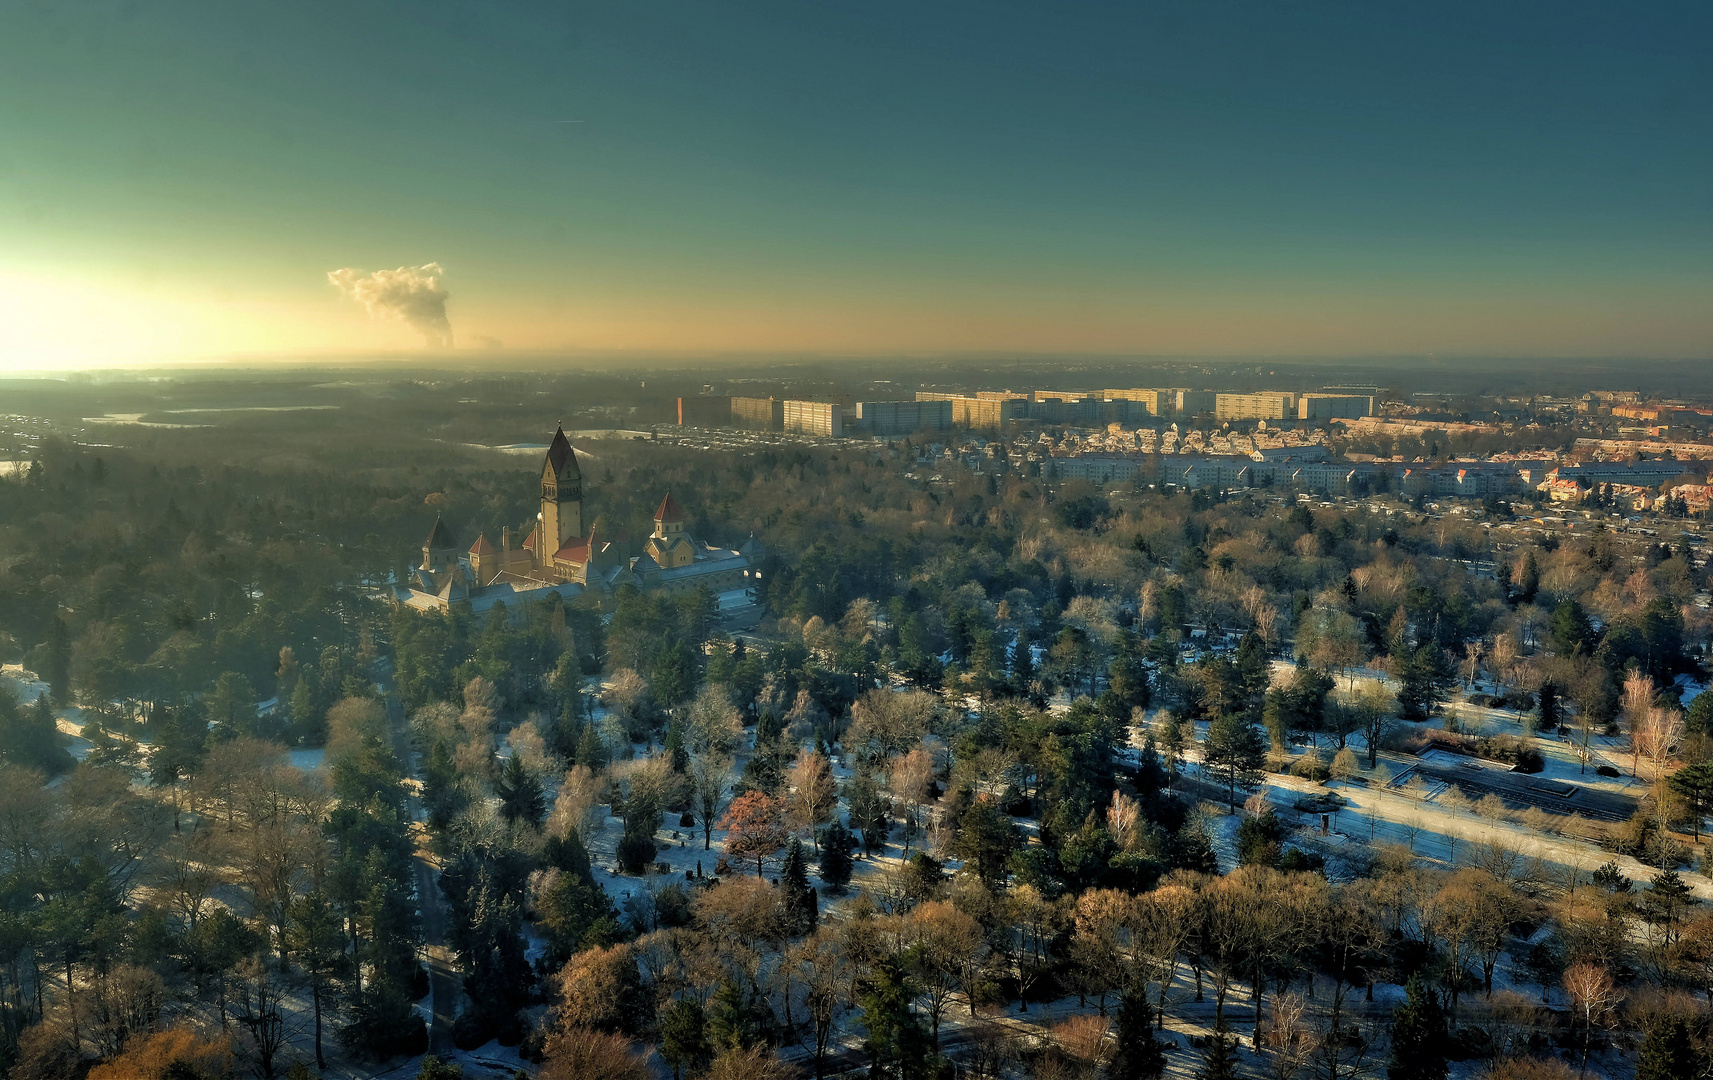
point(561, 456)
point(439, 536)
point(669, 511)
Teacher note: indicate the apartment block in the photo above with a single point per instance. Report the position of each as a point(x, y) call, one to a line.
point(1153, 402)
point(1188, 403)
point(767, 414)
point(1334, 407)
point(1266, 405)
point(823, 418)
point(902, 417)
point(705, 410)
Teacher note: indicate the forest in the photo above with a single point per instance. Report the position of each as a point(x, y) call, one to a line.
point(1009, 781)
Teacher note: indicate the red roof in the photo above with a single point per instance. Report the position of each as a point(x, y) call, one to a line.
point(668, 510)
point(529, 541)
point(577, 552)
point(481, 546)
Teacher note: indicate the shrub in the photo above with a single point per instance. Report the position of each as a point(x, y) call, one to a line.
point(635, 852)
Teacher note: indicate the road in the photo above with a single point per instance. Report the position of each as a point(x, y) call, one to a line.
point(444, 991)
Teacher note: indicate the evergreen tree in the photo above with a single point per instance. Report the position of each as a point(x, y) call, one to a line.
point(799, 902)
point(1419, 1035)
point(1667, 1053)
point(898, 1043)
point(590, 752)
point(837, 844)
point(1551, 712)
point(29, 737)
point(1424, 682)
point(1022, 661)
point(684, 1037)
point(1138, 1056)
point(521, 796)
point(1235, 750)
point(733, 1019)
point(1219, 1057)
point(317, 940)
point(675, 745)
point(56, 661)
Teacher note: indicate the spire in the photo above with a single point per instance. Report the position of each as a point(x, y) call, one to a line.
point(668, 512)
point(439, 536)
point(561, 456)
point(481, 546)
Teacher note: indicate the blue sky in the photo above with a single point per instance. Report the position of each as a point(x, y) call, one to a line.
point(1302, 179)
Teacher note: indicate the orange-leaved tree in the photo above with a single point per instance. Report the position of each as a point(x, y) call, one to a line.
point(755, 827)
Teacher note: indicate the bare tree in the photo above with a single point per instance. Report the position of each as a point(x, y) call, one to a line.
point(814, 793)
point(1636, 705)
point(909, 778)
point(1594, 997)
point(259, 1008)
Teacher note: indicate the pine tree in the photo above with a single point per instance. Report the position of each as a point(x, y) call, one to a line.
point(1219, 1059)
point(674, 745)
point(590, 752)
point(732, 1019)
point(684, 1037)
point(1236, 751)
point(521, 796)
point(1139, 1056)
point(837, 843)
point(798, 900)
point(1667, 1053)
point(1419, 1035)
point(898, 1043)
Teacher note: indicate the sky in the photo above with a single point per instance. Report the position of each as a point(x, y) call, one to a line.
point(179, 179)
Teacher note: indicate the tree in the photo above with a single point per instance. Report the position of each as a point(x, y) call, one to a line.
point(1593, 996)
point(1695, 784)
point(1420, 1034)
point(684, 1037)
point(1219, 1058)
point(259, 1008)
point(1235, 751)
point(581, 1054)
point(317, 938)
point(943, 943)
point(837, 844)
point(1424, 681)
point(755, 827)
point(1668, 1052)
point(897, 1045)
point(752, 1063)
point(709, 774)
point(1138, 1055)
point(798, 903)
point(814, 793)
point(520, 793)
point(1375, 707)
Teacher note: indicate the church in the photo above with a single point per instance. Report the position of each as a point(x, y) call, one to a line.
point(557, 555)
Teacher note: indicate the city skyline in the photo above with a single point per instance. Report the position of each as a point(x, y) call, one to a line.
point(180, 182)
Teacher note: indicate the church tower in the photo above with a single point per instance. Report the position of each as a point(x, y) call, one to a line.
point(561, 499)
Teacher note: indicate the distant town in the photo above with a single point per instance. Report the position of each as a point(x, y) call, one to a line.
point(1624, 453)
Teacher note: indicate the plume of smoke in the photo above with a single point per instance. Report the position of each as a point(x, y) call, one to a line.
point(411, 294)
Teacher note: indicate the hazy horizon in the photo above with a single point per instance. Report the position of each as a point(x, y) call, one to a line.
point(196, 181)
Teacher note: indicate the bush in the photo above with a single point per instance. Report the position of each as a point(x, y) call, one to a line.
point(1607, 770)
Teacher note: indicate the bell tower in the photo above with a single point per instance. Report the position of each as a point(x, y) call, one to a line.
point(561, 499)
